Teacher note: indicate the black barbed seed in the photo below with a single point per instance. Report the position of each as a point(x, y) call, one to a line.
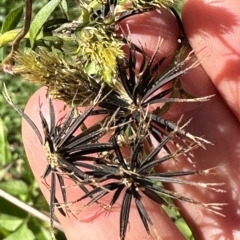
point(135, 176)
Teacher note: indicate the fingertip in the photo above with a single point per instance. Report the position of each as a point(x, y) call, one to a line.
point(146, 30)
point(31, 142)
point(213, 32)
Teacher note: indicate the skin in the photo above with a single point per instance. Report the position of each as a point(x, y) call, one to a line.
point(216, 43)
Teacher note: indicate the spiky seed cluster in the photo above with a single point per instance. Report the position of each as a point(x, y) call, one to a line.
point(135, 92)
point(63, 147)
point(135, 177)
point(101, 76)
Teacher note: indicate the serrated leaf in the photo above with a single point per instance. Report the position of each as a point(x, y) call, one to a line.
point(41, 18)
point(10, 223)
point(14, 187)
point(12, 20)
point(22, 233)
point(5, 154)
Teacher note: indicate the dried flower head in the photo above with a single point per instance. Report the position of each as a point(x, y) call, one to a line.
point(65, 80)
point(99, 52)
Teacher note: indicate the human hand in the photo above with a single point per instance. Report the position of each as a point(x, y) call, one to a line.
point(212, 30)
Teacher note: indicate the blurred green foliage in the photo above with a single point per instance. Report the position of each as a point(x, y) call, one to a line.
point(16, 177)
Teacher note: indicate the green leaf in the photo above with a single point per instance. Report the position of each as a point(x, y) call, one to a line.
point(41, 229)
point(64, 8)
point(91, 69)
point(8, 36)
point(14, 187)
point(10, 223)
point(44, 234)
point(183, 227)
point(22, 233)
point(41, 18)
point(12, 20)
point(5, 154)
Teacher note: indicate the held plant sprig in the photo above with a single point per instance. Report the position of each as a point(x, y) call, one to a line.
point(98, 49)
point(134, 177)
point(129, 96)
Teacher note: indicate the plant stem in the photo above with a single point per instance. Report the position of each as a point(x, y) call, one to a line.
point(28, 209)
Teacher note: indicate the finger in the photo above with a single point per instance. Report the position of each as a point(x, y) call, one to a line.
point(94, 223)
point(145, 30)
point(213, 31)
point(216, 123)
point(75, 227)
